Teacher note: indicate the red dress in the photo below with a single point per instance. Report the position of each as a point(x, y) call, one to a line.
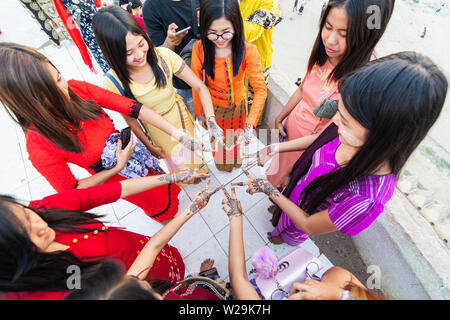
point(104, 241)
point(159, 203)
point(74, 33)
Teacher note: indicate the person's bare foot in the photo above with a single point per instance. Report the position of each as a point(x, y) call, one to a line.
point(275, 240)
point(272, 209)
point(207, 264)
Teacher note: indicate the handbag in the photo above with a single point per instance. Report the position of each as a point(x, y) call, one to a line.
point(295, 266)
point(215, 288)
point(327, 109)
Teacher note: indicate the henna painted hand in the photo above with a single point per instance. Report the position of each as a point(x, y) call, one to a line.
point(186, 176)
point(231, 205)
point(192, 144)
point(201, 199)
point(263, 156)
point(246, 135)
point(215, 132)
point(256, 185)
point(157, 152)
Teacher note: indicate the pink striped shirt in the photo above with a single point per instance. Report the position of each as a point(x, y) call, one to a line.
point(355, 206)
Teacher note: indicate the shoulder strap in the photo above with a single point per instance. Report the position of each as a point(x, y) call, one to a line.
point(116, 83)
point(122, 92)
point(165, 67)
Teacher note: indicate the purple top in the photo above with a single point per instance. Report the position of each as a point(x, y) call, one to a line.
point(353, 207)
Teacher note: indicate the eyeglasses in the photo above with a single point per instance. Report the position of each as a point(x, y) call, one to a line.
point(225, 36)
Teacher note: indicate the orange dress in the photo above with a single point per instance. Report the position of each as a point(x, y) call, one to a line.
point(229, 97)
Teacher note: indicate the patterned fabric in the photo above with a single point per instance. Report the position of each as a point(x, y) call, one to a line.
point(74, 33)
point(264, 18)
point(41, 17)
point(82, 12)
point(49, 8)
point(227, 118)
point(198, 288)
point(260, 18)
point(352, 208)
point(136, 167)
point(220, 88)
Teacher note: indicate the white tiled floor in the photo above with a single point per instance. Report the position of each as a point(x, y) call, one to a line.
point(205, 235)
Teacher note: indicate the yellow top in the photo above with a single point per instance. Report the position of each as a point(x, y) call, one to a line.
point(256, 33)
point(160, 100)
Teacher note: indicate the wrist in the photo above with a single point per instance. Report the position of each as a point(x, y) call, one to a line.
point(273, 192)
point(168, 44)
point(279, 119)
point(211, 121)
point(278, 147)
point(235, 217)
point(116, 169)
point(167, 178)
point(248, 126)
point(177, 134)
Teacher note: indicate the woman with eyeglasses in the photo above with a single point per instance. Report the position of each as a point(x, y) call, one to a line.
point(225, 60)
point(143, 72)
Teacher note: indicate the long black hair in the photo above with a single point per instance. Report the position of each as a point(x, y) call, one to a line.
point(211, 10)
point(34, 100)
point(397, 99)
point(115, 285)
point(131, 4)
point(360, 39)
point(24, 267)
point(111, 25)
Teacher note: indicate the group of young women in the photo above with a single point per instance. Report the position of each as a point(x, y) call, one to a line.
point(357, 119)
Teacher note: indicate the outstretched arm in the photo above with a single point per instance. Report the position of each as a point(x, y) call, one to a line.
point(242, 288)
point(146, 258)
point(318, 223)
